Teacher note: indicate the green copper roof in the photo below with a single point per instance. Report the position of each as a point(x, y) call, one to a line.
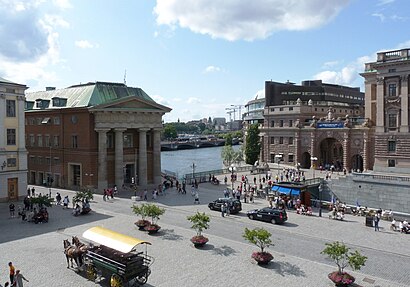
point(90, 94)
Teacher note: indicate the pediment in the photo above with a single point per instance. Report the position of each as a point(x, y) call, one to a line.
point(131, 104)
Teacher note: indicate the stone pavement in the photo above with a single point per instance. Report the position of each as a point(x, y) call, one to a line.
point(38, 251)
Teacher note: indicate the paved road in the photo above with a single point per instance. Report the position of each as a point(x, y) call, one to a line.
point(37, 249)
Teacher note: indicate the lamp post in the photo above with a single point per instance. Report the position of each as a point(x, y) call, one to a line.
point(320, 199)
point(50, 175)
point(313, 159)
point(278, 158)
point(193, 171)
point(232, 169)
point(256, 165)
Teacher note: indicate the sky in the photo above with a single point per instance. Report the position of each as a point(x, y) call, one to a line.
point(198, 57)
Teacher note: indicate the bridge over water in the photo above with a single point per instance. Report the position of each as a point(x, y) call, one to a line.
point(193, 143)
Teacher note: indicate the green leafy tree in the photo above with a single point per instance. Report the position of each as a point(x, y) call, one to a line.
point(154, 212)
point(170, 132)
point(200, 222)
point(343, 257)
point(42, 200)
point(228, 155)
point(201, 127)
point(253, 145)
point(258, 236)
point(228, 139)
point(140, 210)
point(81, 195)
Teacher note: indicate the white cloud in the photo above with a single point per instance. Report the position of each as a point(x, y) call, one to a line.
point(330, 64)
point(62, 4)
point(160, 100)
point(384, 2)
point(193, 100)
point(380, 16)
point(212, 69)
point(248, 20)
point(56, 20)
point(84, 44)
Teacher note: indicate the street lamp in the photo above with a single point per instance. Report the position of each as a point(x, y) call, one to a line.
point(50, 177)
point(278, 159)
point(256, 165)
point(193, 171)
point(232, 169)
point(320, 199)
point(313, 159)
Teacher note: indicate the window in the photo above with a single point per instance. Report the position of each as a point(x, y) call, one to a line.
point(11, 136)
point(32, 140)
point(11, 162)
point(290, 108)
point(56, 120)
point(281, 109)
point(45, 121)
point(10, 90)
point(74, 141)
point(281, 123)
point(272, 157)
point(48, 161)
point(391, 163)
point(47, 141)
point(10, 108)
point(392, 70)
point(39, 140)
point(272, 140)
point(39, 160)
point(290, 158)
point(272, 123)
point(110, 140)
point(290, 123)
point(391, 146)
point(281, 140)
point(392, 121)
point(31, 121)
point(290, 140)
point(392, 90)
point(272, 109)
point(128, 140)
point(56, 141)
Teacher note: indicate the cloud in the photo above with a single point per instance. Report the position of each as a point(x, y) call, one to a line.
point(193, 100)
point(160, 100)
point(62, 4)
point(84, 44)
point(247, 20)
point(379, 15)
point(212, 69)
point(56, 21)
point(384, 2)
point(330, 64)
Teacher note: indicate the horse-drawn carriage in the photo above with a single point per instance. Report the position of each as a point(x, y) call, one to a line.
point(115, 258)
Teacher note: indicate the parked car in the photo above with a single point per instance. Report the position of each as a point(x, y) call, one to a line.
point(235, 205)
point(276, 216)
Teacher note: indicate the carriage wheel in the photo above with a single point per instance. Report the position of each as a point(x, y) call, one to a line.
point(116, 281)
point(91, 272)
point(143, 278)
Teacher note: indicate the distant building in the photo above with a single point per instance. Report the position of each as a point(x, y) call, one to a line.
point(96, 135)
point(387, 107)
point(254, 111)
point(219, 124)
point(315, 124)
point(13, 153)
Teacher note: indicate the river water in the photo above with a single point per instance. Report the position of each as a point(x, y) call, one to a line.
point(204, 159)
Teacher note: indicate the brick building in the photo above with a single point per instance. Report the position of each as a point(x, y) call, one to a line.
point(95, 134)
point(13, 154)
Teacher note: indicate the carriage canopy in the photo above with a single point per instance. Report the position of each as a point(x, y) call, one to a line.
point(112, 239)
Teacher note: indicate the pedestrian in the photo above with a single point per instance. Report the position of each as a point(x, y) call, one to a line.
point(18, 279)
point(223, 210)
point(58, 198)
point(105, 195)
point(115, 189)
point(154, 194)
point(227, 209)
point(196, 198)
point(251, 196)
point(33, 191)
point(28, 191)
point(65, 202)
point(12, 272)
point(12, 209)
point(145, 194)
point(376, 222)
point(112, 193)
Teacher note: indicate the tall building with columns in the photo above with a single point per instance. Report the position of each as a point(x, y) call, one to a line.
point(13, 154)
point(93, 135)
point(387, 106)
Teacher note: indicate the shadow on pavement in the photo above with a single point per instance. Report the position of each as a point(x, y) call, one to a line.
point(290, 224)
point(224, 251)
point(169, 234)
point(285, 268)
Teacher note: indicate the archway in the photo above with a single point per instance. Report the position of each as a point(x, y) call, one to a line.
point(331, 154)
point(357, 162)
point(305, 162)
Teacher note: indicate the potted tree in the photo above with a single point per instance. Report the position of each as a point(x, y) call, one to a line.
point(343, 257)
point(154, 212)
point(140, 210)
point(84, 196)
point(200, 221)
point(261, 238)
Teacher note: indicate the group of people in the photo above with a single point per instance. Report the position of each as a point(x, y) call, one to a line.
point(403, 226)
point(16, 278)
point(82, 210)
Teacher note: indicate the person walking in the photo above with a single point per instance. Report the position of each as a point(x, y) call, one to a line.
point(18, 279)
point(12, 208)
point(12, 271)
point(65, 202)
point(33, 191)
point(196, 201)
point(145, 194)
point(376, 222)
point(223, 210)
point(227, 209)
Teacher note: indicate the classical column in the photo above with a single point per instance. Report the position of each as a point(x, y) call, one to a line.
point(404, 104)
point(119, 156)
point(296, 150)
point(312, 144)
point(102, 158)
point(380, 105)
point(346, 156)
point(157, 155)
point(3, 116)
point(142, 153)
point(365, 153)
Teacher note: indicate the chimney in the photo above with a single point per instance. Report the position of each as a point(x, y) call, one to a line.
point(50, 89)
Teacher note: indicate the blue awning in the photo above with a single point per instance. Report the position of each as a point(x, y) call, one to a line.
point(295, 192)
point(285, 190)
point(275, 188)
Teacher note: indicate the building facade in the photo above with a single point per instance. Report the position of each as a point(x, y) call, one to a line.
point(96, 135)
point(387, 107)
point(315, 124)
point(13, 154)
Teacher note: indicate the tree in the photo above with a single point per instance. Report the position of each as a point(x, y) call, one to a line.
point(42, 200)
point(258, 236)
point(154, 212)
point(81, 195)
point(342, 256)
point(228, 139)
point(200, 221)
point(228, 155)
point(201, 127)
point(253, 145)
point(170, 132)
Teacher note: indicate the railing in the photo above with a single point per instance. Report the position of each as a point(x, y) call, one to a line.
point(383, 177)
point(204, 176)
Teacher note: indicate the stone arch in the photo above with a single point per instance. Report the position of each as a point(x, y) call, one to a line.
point(330, 153)
point(305, 160)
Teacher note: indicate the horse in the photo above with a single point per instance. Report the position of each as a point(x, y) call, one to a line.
point(80, 246)
point(72, 253)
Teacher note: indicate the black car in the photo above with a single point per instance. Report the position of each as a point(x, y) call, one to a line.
point(276, 216)
point(234, 204)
